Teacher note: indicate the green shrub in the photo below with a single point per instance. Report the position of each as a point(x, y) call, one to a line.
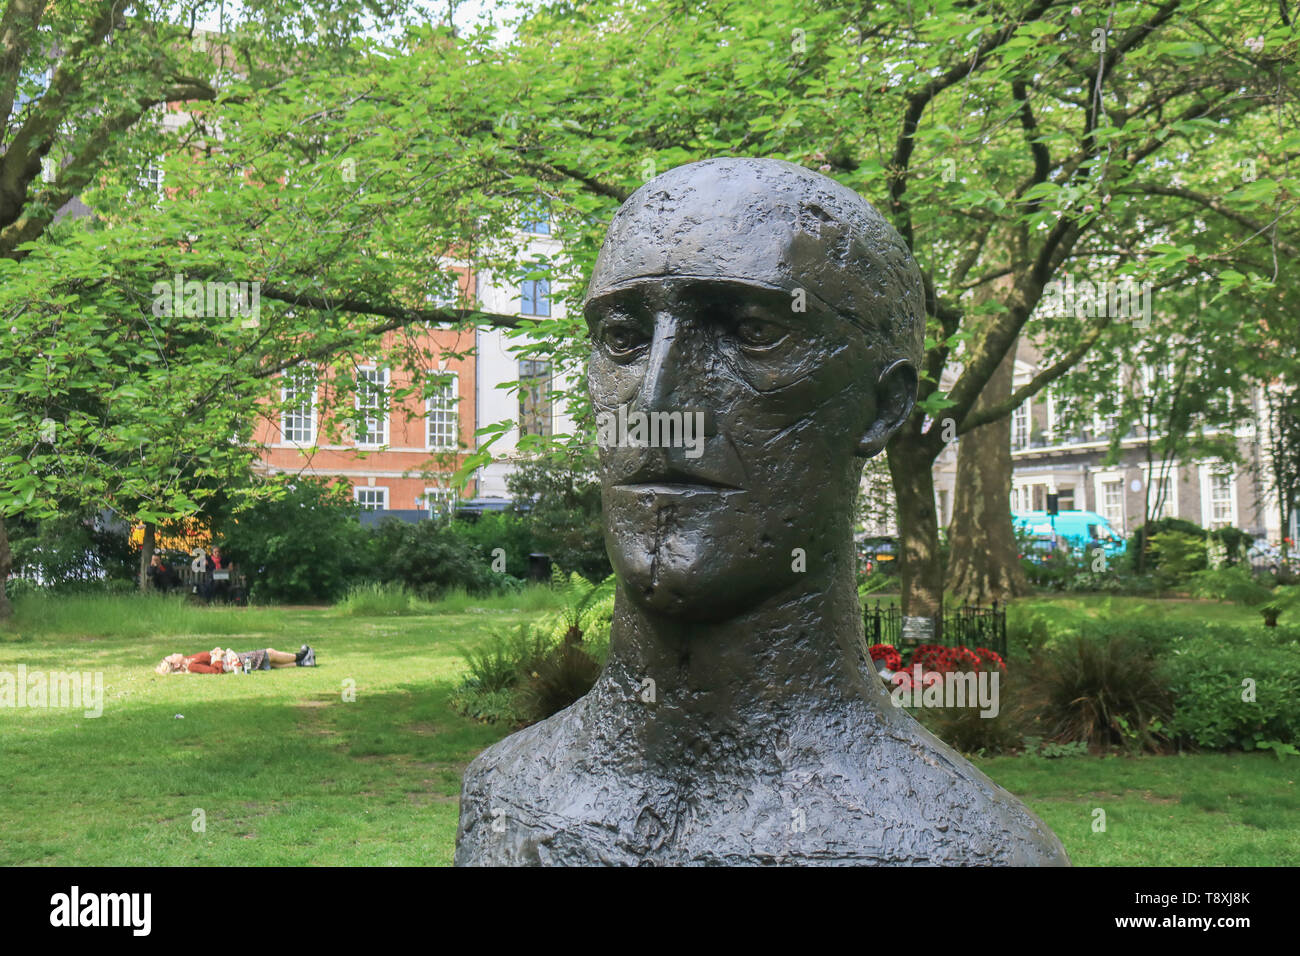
point(964, 729)
point(1102, 689)
point(72, 554)
point(304, 546)
point(1208, 676)
point(1177, 555)
point(1096, 581)
point(1231, 543)
point(1142, 532)
point(431, 559)
point(505, 530)
point(504, 661)
point(563, 676)
point(562, 497)
point(1234, 583)
point(539, 669)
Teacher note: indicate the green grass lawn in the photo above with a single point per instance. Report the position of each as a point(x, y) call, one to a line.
point(287, 772)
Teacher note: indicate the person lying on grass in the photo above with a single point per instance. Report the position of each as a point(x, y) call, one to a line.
point(217, 661)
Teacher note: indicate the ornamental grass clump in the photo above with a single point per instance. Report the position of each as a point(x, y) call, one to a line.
point(1102, 691)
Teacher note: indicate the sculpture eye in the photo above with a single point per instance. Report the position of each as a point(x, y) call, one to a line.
point(758, 334)
point(622, 339)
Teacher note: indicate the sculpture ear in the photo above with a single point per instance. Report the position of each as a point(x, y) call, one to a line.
point(895, 396)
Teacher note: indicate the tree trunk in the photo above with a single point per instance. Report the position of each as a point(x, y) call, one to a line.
point(6, 565)
point(920, 561)
point(146, 556)
point(983, 561)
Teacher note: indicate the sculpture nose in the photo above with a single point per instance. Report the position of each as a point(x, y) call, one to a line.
point(663, 368)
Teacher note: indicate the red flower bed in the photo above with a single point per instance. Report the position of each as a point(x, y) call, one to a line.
point(886, 652)
point(936, 657)
point(990, 660)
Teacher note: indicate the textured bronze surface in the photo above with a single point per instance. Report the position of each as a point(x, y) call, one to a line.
point(736, 721)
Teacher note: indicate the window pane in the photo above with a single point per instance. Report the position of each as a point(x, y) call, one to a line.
point(372, 499)
point(298, 420)
point(372, 394)
point(1221, 498)
point(440, 502)
point(535, 297)
point(537, 219)
point(1020, 427)
point(534, 398)
point(443, 432)
point(1112, 501)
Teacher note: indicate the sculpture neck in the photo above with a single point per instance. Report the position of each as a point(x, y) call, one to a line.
point(790, 653)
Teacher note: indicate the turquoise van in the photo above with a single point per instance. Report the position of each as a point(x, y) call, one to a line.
point(1081, 530)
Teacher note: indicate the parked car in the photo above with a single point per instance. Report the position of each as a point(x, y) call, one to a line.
point(878, 553)
point(1263, 556)
point(1080, 530)
point(1043, 548)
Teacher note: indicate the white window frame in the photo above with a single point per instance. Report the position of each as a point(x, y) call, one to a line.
point(1021, 420)
point(287, 431)
point(1170, 508)
point(1073, 491)
point(382, 490)
point(1054, 419)
point(549, 303)
point(1022, 495)
point(1208, 470)
point(1100, 480)
point(453, 410)
point(448, 495)
point(369, 441)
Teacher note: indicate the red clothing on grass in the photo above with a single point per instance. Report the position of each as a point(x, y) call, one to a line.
point(202, 664)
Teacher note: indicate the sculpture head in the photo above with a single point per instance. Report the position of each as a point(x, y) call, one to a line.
point(778, 311)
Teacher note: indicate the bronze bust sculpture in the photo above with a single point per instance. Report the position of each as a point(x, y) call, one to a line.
point(736, 721)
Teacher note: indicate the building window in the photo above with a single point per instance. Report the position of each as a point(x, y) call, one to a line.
point(1112, 502)
point(1161, 501)
point(440, 502)
point(1221, 499)
point(298, 417)
point(371, 498)
point(1020, 426)
point(1103, 426)
point(372, 395)
point(151, 177)
point(537, 219)
point(443, 429)
point(1022, 498)
point(1220, 496)
point(535, 297)
point(534, 398)
point(1061, 426)
point(1065, 499)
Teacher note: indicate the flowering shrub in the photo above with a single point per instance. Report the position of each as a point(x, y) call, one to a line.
point(936, 657)
point(887, 653)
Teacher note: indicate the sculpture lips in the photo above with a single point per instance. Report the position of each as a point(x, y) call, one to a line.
point(653, 474)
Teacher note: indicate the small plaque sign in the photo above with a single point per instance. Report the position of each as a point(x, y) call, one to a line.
point(918, 630)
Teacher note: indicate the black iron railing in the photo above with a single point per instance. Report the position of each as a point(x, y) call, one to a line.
point(970, 625)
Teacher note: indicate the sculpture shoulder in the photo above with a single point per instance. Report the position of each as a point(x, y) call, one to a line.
point(929, 804)
point(513, 794)
point(895, 795)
